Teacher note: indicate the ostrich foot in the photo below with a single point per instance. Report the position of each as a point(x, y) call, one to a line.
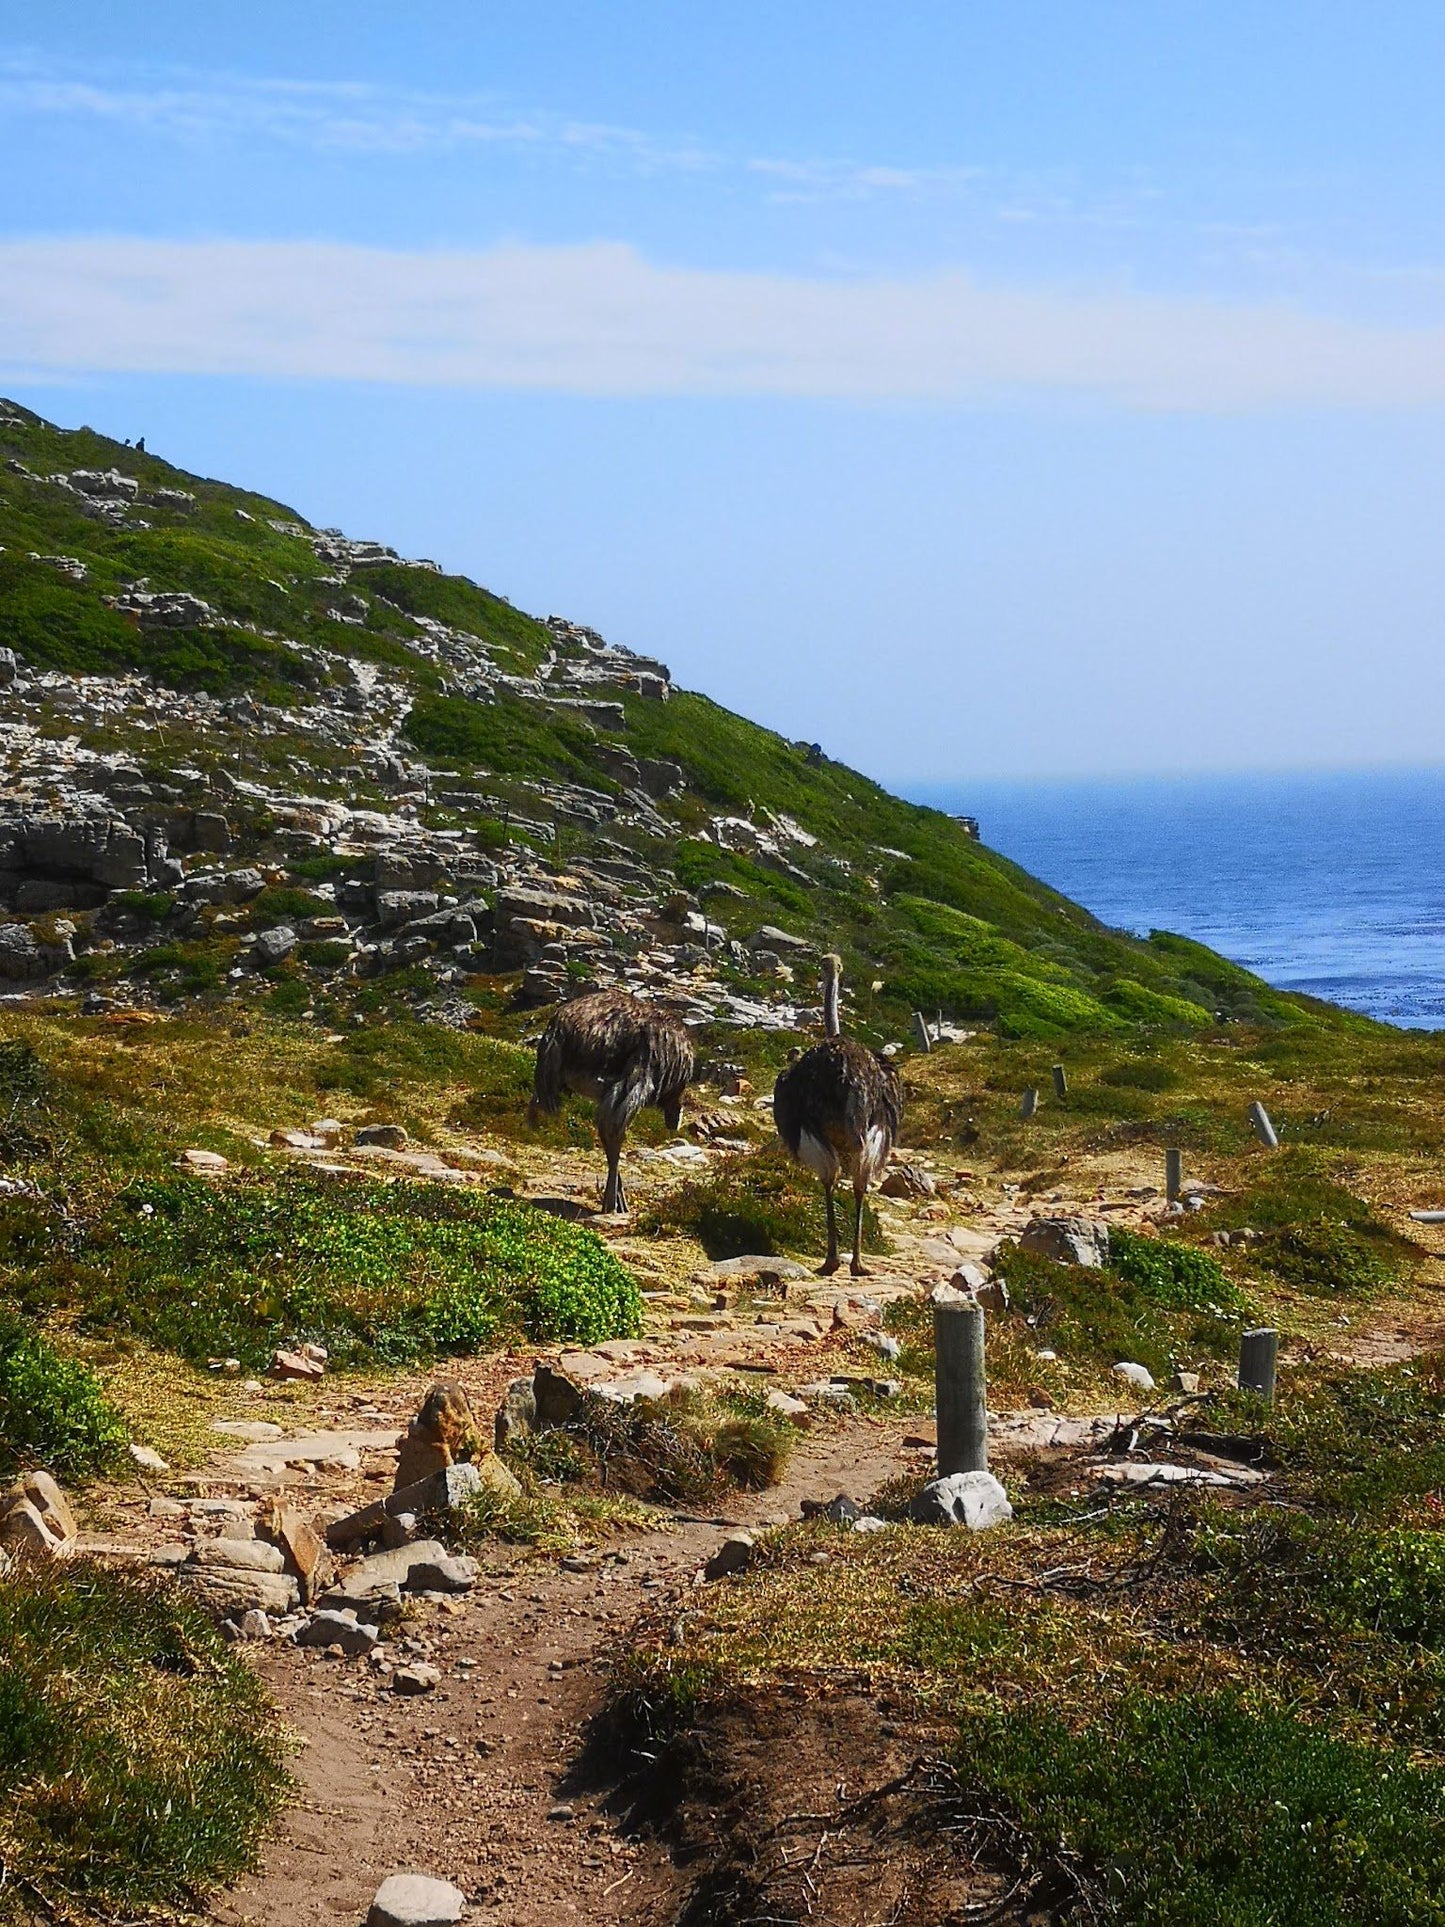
point(859, 1270)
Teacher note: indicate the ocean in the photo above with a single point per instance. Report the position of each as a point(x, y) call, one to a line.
point(1326, 883)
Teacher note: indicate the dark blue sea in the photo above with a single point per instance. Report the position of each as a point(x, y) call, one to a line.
point(1332, 884)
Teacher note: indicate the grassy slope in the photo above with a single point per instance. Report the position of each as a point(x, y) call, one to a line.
point(942, 922)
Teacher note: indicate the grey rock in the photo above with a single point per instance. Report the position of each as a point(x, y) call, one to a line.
point(249, 1555)
point(735, 1554)
point(770, 937)
point(418, 1678)
point(275, 945)
point(1134, 1374)
point(972, 1499)
point(231, 1591)
point(1068, 1241)
point(389, 1137)
point(335, 1626)
point(416, 1900)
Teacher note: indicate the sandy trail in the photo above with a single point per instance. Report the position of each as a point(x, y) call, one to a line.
point(460, 1782)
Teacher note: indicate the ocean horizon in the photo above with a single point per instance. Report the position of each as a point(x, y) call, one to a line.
point(1325, 882)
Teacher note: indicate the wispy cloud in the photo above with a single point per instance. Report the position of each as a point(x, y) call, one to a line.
point(603, 320)
point(360, 118)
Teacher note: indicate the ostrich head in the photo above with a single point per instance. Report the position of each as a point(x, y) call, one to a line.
point(832, 984)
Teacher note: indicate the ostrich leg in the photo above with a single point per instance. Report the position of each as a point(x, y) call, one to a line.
point(610, 1132)
point(832, 1261)
point(858, 1268)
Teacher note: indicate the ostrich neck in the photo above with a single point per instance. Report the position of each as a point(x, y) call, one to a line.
point(831, 1025)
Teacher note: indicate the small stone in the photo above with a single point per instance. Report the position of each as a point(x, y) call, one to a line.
point(1187, 1382)
point(414, 1679)
point(255, 1624)
point(242, 1555)
point(516, 1415)
point(562, 1812)
point(295, 1365)
point(387, 1137)
point(972, 1499)
point(1068, 1241)
point(869, 1522)
point(842, 1511)
point(275, 945)
point(735, 1554)
point(416, 1900)
point(786, 1406)
point(1133, 1374)
point(146, 1459)
point(339, 1627)
point(208, 1163)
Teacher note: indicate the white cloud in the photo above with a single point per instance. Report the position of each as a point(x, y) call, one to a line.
point(602, 320)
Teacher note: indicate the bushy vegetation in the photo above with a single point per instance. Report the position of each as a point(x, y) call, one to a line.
point(372, 1271)
point(52, 1409)
point(757, 1203)
point(1159, 1302)
point(139, 1759)
point(1209, 1812)
point(686, 1448)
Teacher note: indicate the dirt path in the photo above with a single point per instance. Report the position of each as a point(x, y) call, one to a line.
point(466, 1782)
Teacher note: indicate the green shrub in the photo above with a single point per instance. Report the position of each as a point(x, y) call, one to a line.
point(1328, 1257)
point(1176, 1276)
point(1203, 1811)
point(52, 1409)
point(26, 1094)
point(392, 1272)
point(1163, 1313)
point(1139, 1075)
point(139, 1757)
point(759, 1203)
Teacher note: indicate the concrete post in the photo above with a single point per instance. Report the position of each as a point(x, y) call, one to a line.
point(1029, 1103)
point(1061, 1081)
point(920, 1031)
point(1173, 1174)
point(959, 1386)
point(1258, 1353)
point(1263, 1129)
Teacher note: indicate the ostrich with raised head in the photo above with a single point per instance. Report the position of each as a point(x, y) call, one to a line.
point(839, 1110)
point(622, 1053)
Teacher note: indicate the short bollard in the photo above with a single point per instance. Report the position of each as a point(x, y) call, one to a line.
point(1258, 1354)
point(959, 1388)
point(920, 1031)
point(1061, 1082)
point(1173, 1174)
point(1029, 1103)
point(1263, 1129)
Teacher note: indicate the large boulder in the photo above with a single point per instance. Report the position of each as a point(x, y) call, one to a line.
point(36, 1519)
point(1068, 1241)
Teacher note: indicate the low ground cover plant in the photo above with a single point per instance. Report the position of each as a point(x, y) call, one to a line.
point(139, 1758)
point(52, 1409)
point(385, 1272)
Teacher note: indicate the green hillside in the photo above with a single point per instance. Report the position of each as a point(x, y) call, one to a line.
point(939, 921)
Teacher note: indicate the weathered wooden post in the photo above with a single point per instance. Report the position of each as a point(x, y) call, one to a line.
point(1263, 1129)
point(920, 1031)
point(959, 1387)
point(1258, 1355)
point(1029, 1103)
point(1173, 1174)
point(1061, 1082)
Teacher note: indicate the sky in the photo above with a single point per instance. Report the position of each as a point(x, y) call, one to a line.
point(982, 388)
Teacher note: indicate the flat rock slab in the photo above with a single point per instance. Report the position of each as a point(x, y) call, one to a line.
point(416, 1900)
point(314, 1448)
point(1149, 1474)
point(734, 1269)
point(1046, 1430)
point(254, 1431)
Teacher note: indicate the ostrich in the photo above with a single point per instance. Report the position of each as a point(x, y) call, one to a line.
point(839, 1109)
point(625, 1054)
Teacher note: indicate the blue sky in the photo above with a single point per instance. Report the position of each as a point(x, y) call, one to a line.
point(981, 389)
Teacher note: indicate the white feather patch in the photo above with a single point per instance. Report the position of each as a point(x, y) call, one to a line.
point(875, 1153)
point(819, 1156)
